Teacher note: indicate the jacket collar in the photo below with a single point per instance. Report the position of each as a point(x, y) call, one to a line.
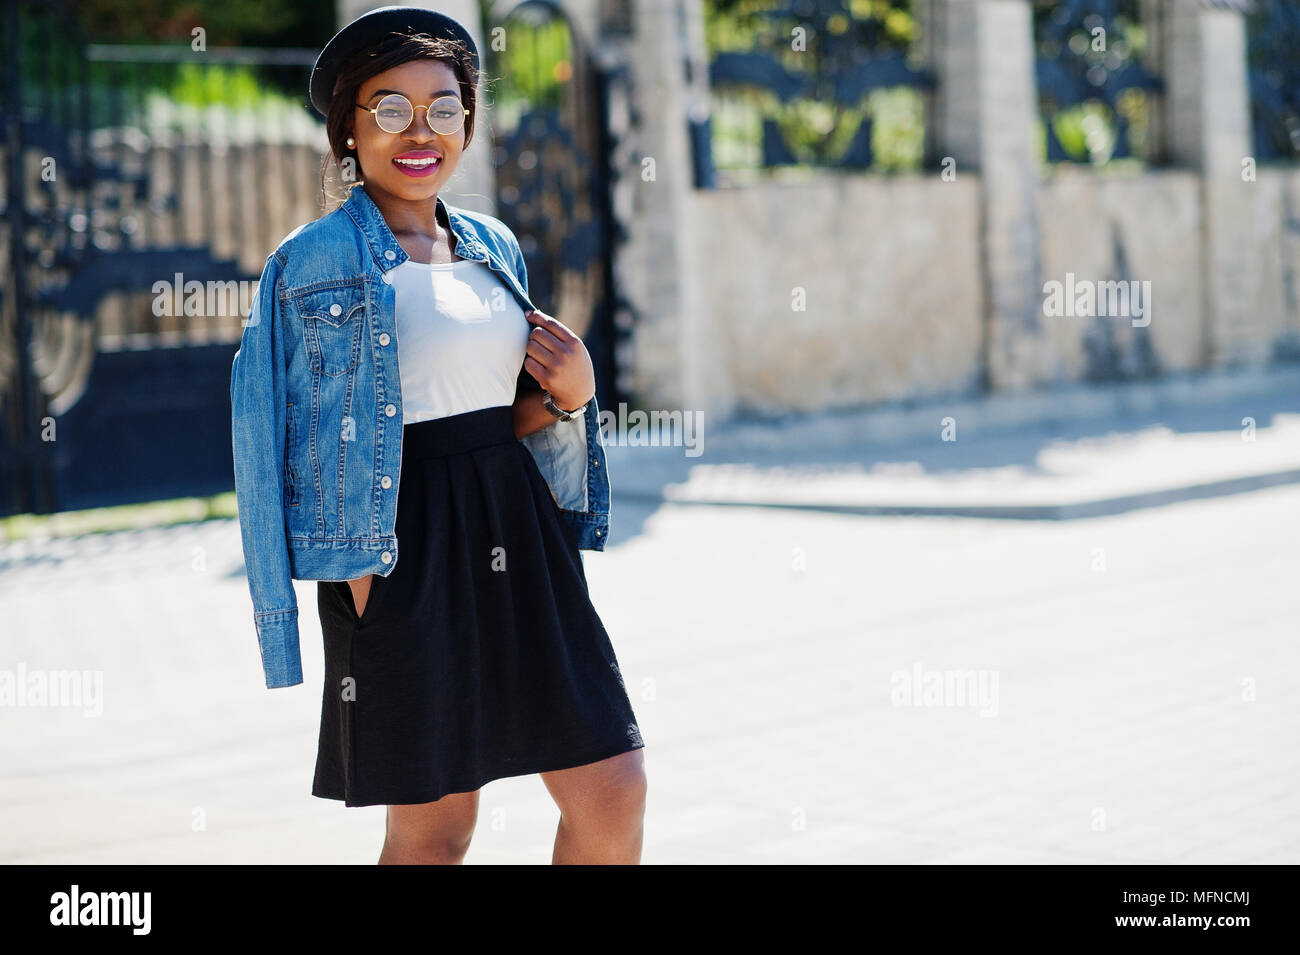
point(388, 252)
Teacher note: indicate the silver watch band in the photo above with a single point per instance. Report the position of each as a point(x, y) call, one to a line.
point(548, 401)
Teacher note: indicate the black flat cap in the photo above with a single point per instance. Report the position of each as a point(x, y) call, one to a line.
point(369, 31)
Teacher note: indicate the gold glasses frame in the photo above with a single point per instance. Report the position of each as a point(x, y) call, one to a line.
point(391, 97)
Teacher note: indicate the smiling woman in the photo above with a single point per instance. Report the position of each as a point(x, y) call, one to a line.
point(460, 641)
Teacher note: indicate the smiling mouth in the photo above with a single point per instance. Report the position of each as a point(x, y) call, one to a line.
point(418, 163)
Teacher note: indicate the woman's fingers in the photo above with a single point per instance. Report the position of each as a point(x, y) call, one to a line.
point(551, 327)
point(549, 343)
point(538, 371)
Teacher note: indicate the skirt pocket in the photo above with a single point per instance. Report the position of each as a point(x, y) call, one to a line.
point(368, 614)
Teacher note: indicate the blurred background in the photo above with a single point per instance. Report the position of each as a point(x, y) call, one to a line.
point(816, 249)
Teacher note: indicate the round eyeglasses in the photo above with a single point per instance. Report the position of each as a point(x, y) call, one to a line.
point(395, 113)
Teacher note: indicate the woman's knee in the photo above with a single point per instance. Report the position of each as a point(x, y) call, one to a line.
point(437, 831)
point(614, 788)
point(631, 785)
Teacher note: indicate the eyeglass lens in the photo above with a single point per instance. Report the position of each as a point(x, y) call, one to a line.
point(395, 113)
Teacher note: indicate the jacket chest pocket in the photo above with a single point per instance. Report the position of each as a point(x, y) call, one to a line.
point(332, 323)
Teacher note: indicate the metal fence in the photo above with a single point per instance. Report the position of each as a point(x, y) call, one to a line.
point(1095, 90)
point(812, 83)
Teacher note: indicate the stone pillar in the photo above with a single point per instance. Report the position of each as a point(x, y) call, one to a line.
point(1205, 124)
point(473, 185)
point(676, 361)
point(985, 107)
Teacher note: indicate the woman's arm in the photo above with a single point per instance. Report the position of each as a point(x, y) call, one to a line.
point(530, 414)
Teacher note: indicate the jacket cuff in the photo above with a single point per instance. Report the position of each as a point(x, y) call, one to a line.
point(277, 637)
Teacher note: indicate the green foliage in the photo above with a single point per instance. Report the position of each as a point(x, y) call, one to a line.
point(226, 22)
point(534, 66)
point(199, 85)
point(212, 98)
point(1083, 130)
point(149, 95)
point(736, 25)
point(898, 138)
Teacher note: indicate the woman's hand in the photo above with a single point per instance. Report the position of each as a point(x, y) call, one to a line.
point(559, 361)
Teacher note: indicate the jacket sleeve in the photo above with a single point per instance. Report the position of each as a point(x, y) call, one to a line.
point(257, 405)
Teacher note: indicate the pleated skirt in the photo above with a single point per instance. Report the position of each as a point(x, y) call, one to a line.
point(480, 655)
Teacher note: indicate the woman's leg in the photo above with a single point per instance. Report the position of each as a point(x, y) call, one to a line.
point(602, 811)
point(431, 833)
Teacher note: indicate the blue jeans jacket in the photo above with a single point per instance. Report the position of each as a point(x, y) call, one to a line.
point(316, 408)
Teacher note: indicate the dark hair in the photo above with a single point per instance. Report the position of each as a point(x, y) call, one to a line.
point(393, 51)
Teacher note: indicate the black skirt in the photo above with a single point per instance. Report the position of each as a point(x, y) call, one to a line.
point(480, 656)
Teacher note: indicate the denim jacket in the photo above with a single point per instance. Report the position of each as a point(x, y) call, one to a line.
point(316, 410)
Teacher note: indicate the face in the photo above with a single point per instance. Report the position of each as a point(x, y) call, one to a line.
point(421, 82)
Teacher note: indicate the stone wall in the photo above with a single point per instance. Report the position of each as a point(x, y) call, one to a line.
point(891, 272)
point(1143, 228)
point(889, 277)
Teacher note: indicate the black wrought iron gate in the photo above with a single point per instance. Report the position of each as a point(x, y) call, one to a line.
point(550, 135)
point(104, 398)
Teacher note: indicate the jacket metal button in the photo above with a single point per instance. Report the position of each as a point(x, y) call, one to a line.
point(599, 532)
point(385, 482)
point(389, 254)
point(336, 309)
point(384, 339)
point(388, 279)
point(595, 463)
point(390, 410)
point(386, 557)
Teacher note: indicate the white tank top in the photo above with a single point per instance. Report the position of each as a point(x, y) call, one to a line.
point(461, 337)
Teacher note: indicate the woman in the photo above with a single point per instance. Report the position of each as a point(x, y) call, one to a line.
point(478, 654)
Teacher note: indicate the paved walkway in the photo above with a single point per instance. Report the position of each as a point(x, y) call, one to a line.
point(812, 687)
point(1079, 452)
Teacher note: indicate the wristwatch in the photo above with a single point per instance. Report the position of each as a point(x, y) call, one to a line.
point(555, 409)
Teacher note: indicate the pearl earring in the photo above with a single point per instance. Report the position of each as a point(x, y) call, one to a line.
point(351, 142)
